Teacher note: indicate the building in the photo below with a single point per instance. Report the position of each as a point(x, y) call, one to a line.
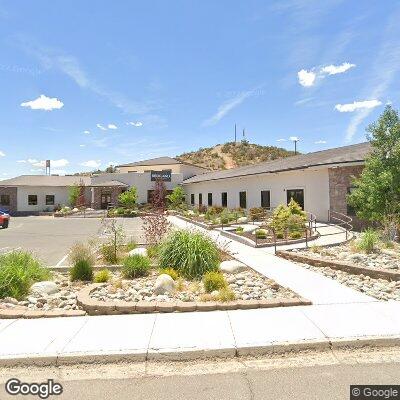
point(31, 194)
point(318, 181)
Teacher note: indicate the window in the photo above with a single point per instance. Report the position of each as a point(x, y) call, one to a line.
point(350, 210)
point(209, 199)
point(5, 200)
point(242, 200)
point(224, 199)
point(32, 199)
point(49, 199)
point(266, 199)
point(297, 195)
point(192, 199)
point(200, 199)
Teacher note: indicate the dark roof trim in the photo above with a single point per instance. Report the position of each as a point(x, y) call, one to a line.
point(274, 172)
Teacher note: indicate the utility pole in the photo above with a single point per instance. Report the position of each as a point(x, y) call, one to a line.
point(294, 139)
point(244, 135)
point(235, 133)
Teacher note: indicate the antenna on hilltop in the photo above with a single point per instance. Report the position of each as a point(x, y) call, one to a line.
point(235, 133)
point(244, 134)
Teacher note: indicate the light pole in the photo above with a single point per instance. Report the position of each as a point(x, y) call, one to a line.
point(294, 139)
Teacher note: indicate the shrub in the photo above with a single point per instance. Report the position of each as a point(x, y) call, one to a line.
point(135, 266)
point(130, 246)
point(102, 276)
point(153, 250)
point(257, 213)
point(290, 217)
point(190, 253)
point(128, 198)
point(261, 234)
point(108, 254)
point(82, 270)
point(368, 241)
point(226, 294)
point(239, 229)
point(295, 235)
point(225, 216)
point(18, 271)
point(171, 272)
point(295, 223)
point(213, 281)
point(82, 251)
point(176, 198)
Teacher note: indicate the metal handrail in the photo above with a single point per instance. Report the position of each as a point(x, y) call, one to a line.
point(344, 220)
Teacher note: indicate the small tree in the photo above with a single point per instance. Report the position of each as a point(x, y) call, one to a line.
point(128, 199)
point(155, 225)
point(176, 198)
point(73, 194)
point(116, 236)
point(376, 196)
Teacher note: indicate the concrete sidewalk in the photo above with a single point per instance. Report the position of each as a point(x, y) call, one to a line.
point(196, 335)
point(308, 284)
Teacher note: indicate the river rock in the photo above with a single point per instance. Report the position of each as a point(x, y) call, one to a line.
point(44, 287)
point(164, 284)
point(141, 251)
point(232, 266)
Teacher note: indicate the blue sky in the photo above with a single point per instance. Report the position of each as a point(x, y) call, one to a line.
point(90, 83)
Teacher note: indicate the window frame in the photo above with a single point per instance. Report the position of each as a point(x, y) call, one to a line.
point(245, 199)
point(32, 202)
point(192, 199)
point(200, 199)
point(224, 194)
point(209, 199)
point(7, 203)
point(46, 200)
point(269, 198)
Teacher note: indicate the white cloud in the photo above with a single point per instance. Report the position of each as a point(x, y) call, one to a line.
point(59, 171)
point(2, 154)
point(91, 164)
point(44, 103)
point(294, 138)
point(227, 106)
point(112, 126)
point(358, 105)
point(21, 161)
point(62, 162)
point(137, 124)
point(320, 142)
point(337, 69)
point(87, 132)
point(306, 78)
point(281, 140)
point(82, 145)
point(103, 128)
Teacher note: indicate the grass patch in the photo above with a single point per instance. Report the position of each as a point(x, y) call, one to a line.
point(18, 271)
point(214, 281)
point(135, 266)
point(102, 276)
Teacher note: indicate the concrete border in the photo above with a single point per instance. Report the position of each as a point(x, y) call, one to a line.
point(339, 265)
point(97, 307)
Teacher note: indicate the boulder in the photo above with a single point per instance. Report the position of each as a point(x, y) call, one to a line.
point(142, 251)
point(75, 209)
point(44, 287)
point(190, 212)
point(242, 220)
point(164, 284)
point(232, 266)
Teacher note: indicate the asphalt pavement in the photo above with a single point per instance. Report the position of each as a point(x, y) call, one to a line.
point(50, 238)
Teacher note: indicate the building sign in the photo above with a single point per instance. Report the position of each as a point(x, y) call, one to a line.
point(161, 175)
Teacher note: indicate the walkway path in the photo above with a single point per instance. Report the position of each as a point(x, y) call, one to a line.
point(309, 284)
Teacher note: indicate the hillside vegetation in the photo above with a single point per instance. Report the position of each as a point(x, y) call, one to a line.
point(231, 155)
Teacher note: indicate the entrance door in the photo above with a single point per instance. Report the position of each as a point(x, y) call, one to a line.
point(297, 195)
point(105, 200)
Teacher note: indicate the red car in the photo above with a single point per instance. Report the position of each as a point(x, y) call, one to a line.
point(4, 219)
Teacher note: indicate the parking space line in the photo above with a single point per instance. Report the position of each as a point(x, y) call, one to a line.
point(62, 260)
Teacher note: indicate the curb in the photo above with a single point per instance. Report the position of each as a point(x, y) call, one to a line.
point(142, 355)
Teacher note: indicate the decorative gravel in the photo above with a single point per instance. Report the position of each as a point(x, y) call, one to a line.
point(64, 299)
point(247, 285)
point(382, 260)
point(378, 288)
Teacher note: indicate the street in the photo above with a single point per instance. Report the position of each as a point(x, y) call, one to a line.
point(50, 238)
point(302, 376)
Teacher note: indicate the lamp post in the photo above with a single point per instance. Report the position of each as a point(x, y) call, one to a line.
point(294, 139)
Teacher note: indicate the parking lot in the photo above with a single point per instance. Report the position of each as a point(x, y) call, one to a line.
point(50, 238)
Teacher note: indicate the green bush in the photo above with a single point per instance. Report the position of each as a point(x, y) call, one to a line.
point(128, 198)
point(81, 271)
point(190, 253)
point(368, 241)
point(153, 250)
point(290, 217)
point(226, 294)
point(102, 276)
point(213, 281)
point(108, 253)
point(82, 258)
point(225, 216)
point(18, 271)
point(295, 235)
point(177, 198)
point(239, 229)
point(257, 213)
point(130, 246)
point(171, 272)
point(135, 266)
point(261, 234)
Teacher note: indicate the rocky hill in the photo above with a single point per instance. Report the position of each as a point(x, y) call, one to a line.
point(231, 155)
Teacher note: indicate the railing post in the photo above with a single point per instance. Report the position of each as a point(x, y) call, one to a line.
point(306, 238)
point(273, 231)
